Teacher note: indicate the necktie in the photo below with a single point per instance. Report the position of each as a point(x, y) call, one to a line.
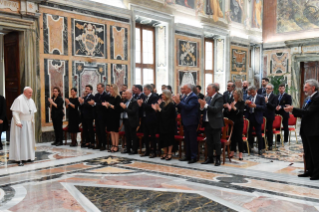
point(146, 100)
point(205, 112)
point(280, 97)
point(251, 110)
point(307, 101)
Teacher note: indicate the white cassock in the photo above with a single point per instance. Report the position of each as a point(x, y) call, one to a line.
point(22, 140)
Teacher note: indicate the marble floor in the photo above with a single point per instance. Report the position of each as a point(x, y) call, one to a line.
point(74, 179)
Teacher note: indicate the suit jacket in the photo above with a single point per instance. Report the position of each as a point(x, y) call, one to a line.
point(100, 110)
point(309, 117)
point(262, 92)
point(150, 117)
point(201, 96)
point(57, 112)
point(245, 94)
point(87, 109)
point(189, 110)
point(259, 110)
point(141, 96)
point(132, 113)
point(271, 107)
point(215, 111)
point(3, 112)
point(285, 100)
point(226, 98)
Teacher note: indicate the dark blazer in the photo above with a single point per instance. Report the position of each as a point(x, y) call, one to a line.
point(3, 112)
point(262, 92)
point(237, 115)
point(151, 117)
point(100, 110)
point(215, 111)
point(285, 100)
point(87, 109)
point(167, 118)
point(201, 96)
point(57, 112)
point(226, 98)
point(132, 113)
point(259, 110)
point(141, 96)
point(271, 105)
point(309, 116)
point(245, 94)
point(189, 110)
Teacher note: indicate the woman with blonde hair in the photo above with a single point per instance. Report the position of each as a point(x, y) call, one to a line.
point(113, 116)
point(167, 123)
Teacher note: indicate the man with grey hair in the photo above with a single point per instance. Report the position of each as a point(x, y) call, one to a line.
point(255, 106)
point(271, 102)
point(189, 110)
point(309, 132)
point(22, 139)
point(213, 121)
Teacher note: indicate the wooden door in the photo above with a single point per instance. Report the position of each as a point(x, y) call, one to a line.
point(309, 70)
point(12, 69)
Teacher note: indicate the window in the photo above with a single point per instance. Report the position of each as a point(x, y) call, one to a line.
point(209, 62)
point(144, 55)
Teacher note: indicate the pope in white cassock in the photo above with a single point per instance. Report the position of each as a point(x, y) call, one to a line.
point(22, 138)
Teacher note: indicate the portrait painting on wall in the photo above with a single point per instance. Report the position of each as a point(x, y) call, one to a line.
point(119, 75)
point(119, 43)
point(88, 74)
point(279, 63)
point(257, 14)
point(186, 3)
point(56, 74)
point(214, 8)
point(297, 15)
point(55, 34)
point(187, 53)
point(236, 10)
point(187, 77)
point(88, 39)
point(239, 61)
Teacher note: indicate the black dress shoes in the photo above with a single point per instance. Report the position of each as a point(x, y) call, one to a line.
point(54, 143)
point(260, 152)
point(306, 174)
point(270, 148)
point(193, 160)
point(208, 161)
point(102, 148)
point(132, 152)
point(125, 151)
point(59, 144)
point(152, 155)
point(184, 159)
point(145, 154)
point(217, 161)
point(314, 177)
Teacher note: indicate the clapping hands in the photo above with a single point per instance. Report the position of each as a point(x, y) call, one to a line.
point(176, 99)
point(67, 101)
point(202, 103)
point(106, 104)
point(140, 102)
point(123, 105)
point(155, 107)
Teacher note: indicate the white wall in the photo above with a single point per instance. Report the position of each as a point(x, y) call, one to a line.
point(2, 79)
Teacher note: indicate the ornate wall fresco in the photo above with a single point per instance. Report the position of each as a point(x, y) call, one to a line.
point(297, 15)
point(187, 77)
point(56, 75)
point(279, 63)
point(119, 75)
point(187, 53)
point(237, 10)
point(119, 50)
point(257, 14)
point(88, 39)
point(55, 34)
point(239, 61)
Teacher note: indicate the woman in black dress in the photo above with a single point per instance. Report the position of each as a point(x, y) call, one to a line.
point(167, 123)
point(113, 116)
point(236, 112)
point(56, 106)
point(72, 105)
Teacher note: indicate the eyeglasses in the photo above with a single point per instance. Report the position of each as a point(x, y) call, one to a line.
point(268, 88)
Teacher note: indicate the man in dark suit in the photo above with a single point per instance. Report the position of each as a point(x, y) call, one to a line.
point(199, 94)
point(131, 122)
point(228, 96)
point(123, 89)
point(309, 132)
point(189, 110)
point(255, 106)
point(88, 116)
point(264, 83)
point(271, 102)
point(214, 121)
point(149, 121)
point(3, 118)
point(138, 92)
point(100, 116)
point(283, 100)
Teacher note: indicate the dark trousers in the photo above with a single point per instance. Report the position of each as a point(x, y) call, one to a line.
point(257, 126)
point(191, 147)
point(286, 130)
point(213, 140)
point(57, 126)
point(100, 131)
point(1, 127)
point(88, 131)
point(311, 149)
point(150, 136)
point(237, 137)
point(269, 132)
point(130, 134)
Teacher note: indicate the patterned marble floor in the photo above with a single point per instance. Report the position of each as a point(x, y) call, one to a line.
point(75, 179)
